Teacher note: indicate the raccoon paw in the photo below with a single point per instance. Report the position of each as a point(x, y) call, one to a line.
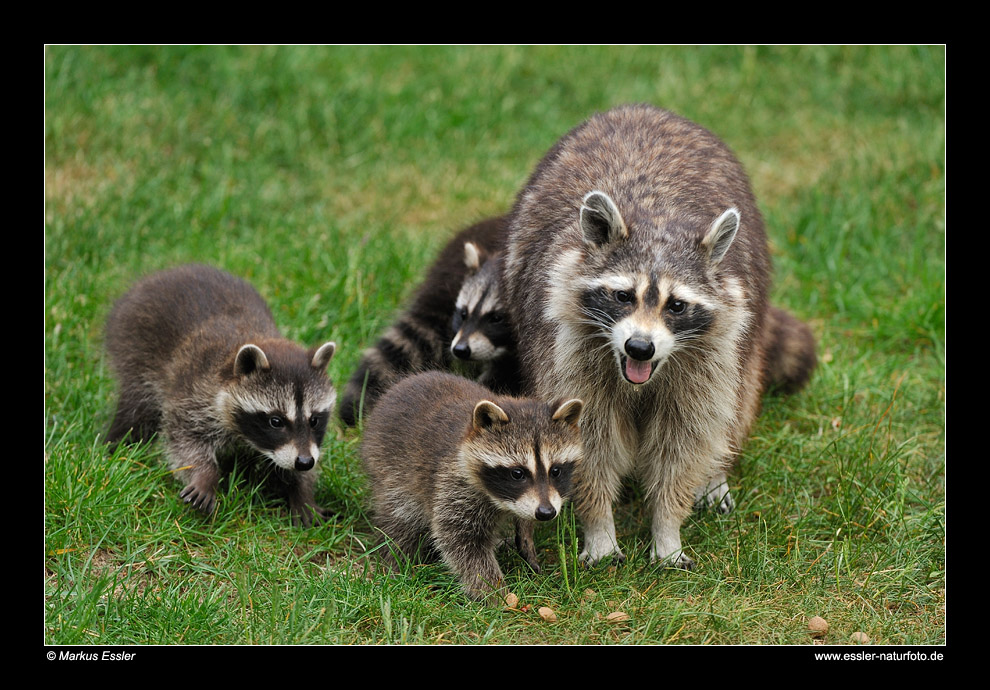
point(600, 544)
point(532, 561)
point(724, 506)
point(202, 498)
point(306, 515)
point(525, 545)
point(715, 495)
point(588, 561)
point(679, 561)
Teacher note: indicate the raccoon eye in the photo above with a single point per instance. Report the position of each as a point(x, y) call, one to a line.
point(315, 421)
point(494, 317)
point(676, 306)
point(464, 312)
point(554, 472)
point(623, 296)
point(276, 422)
point(517, 473)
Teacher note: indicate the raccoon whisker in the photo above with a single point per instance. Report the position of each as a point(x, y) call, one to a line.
point(597, 325)
point(690, 334)
point(692, 344)
point(605, 347)
point(597, 340)
point(598, 316)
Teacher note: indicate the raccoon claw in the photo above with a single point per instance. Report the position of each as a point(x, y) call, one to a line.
point(715, 495)
point(308, 514)
point(618, 558)
point(723, 507)
point(679, 562)
point(525, 545)
point(203, 500)
point(532, 561)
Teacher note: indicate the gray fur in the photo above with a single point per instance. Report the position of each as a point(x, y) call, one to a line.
point(601, 222)
point(440, 453)
point(637, 274)
point(200, 361)
point(420, 338)
point(482, 333)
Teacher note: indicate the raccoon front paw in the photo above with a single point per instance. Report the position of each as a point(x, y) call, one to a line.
point(600, 544)
point(202, 498)
point(533, 562)
point(588, 560)
point(525, 544)
point(677, 560)
point(306, 515)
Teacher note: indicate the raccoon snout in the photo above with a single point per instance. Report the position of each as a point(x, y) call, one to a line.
point(545, 513)
point(462, 351)
point(304, 463)
point(642, 350)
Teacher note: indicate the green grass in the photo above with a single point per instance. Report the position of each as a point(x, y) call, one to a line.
point(329, 177)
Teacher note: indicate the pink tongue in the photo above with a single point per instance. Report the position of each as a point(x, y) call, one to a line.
point(637, 372)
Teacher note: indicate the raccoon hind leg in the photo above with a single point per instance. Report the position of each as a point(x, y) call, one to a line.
point(136, 419)
point(466, 541)
point(401, 540)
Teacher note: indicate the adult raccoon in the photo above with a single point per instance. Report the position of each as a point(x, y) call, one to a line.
point(637, 273)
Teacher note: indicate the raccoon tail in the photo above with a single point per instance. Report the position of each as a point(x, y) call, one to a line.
point(404, 349)
point(790, 353)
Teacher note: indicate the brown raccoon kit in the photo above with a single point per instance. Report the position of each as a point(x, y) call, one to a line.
point(449, 463)
point(200, 362)
point(456, 320)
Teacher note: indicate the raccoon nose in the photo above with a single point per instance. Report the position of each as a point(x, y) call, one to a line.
point(639, 349)
point(304, 462)
point(545, 513)
point(462, 351)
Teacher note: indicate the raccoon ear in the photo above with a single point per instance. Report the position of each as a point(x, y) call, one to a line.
point(250, 358)
point(569, 411)
point(322, 357)
point(720, 235)
point(601, 221)
point(487, 414)
point(472, 256)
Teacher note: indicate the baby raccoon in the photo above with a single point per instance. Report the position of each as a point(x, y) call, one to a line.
point(482, 333)
point(449, 462)
point(200, 361)
point(420, 338)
